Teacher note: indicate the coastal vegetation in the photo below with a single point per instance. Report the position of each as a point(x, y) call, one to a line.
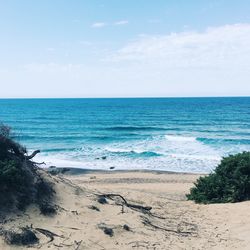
point(21, 182)
point(230, 182)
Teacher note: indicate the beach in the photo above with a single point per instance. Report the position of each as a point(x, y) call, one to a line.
point(125, 125)
point(172, 223)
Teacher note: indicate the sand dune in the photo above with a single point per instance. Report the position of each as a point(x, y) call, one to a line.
point(172, 223)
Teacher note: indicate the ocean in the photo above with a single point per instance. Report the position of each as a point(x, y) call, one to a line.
point(171, 134)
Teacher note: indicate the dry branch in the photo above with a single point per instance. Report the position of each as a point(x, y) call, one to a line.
point(29, 157)
point(78, 243)
point(125, 203)
point(48, 233)
point(147, 222)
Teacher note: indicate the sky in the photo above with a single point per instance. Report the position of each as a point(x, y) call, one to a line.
point(132, 48)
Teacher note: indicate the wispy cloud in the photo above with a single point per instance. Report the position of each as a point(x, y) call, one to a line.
point(122, 22)
point(214, 62)
point(103, 24)
point(224, 46)
point(98, 25)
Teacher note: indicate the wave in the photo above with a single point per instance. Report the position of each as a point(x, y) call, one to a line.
point(225, 131)
point(196, 157)
point(47, 137)
point(136, 128)
point(180, 138)
point(129, 152)
point(57, 150)
point(40, 137)
point(124, 136)
point(207, 140)
point(224, 140)
point(64, 137)
point(118, 150)
point(150, 154)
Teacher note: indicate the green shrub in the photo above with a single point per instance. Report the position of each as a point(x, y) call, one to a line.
point(8, 146)
point(21, 183)
point(230, 182)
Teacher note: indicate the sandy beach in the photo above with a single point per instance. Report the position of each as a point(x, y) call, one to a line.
point(172, 223)
point(125, 125)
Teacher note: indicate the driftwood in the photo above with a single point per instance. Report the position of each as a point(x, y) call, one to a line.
point(125, 203)
point(47, 233)
point(28, 157)
point(78, 243)
point(147, 222)
point(146, 218)
point(39, 163)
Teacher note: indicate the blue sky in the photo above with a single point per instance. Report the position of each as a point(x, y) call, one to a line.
point(97, 48)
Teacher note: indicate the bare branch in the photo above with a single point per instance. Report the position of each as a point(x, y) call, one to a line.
point(32, 155)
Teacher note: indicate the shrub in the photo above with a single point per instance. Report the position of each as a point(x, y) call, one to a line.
point(21, 183)
point(9, 147)
point(21, 236)
point(230, 182)
point(15, 185)
point(11, 175)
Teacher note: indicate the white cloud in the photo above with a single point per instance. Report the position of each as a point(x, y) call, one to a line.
point(215, 62)
point(225, 46)
point(122, 22)
point(103, 24)
point(98, 25)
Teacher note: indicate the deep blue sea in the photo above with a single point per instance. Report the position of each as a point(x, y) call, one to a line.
point(173, 134)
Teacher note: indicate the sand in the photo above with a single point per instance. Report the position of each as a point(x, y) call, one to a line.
point(173, 222)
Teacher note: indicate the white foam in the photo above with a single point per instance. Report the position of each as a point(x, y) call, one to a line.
point(127, 150)
point(176, 164)
point(180, 138)
point(198, 157)
point(118, 150)
point(178, 153)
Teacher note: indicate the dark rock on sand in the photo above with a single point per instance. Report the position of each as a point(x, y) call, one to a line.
point(102, 200)
point(109, 231)
point(126, 227)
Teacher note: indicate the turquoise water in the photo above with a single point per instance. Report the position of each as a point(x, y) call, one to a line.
point(175, 134)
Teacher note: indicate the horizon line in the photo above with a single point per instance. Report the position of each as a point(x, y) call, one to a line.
point(128, 97)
